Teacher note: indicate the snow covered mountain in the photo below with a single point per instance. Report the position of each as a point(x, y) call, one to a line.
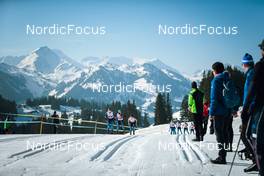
point(11, 60)
point(18, 84)
point(58, 75)
point(197, 75)
point(53, 64)
point(42, 60)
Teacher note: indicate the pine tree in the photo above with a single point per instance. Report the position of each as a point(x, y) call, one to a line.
point(185, 113)
point(168, 108)
point(145, 120)
point(7, 106)
point(160, 110)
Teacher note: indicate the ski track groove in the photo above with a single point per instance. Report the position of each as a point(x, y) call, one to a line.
point(182, 149)
point(140, 169)
point(191, 148)
point(38, 151)
point(17, 138)
point(98, 154)
point(203, 163)
point(113, 151)
point(203, 156)
point(46, 146)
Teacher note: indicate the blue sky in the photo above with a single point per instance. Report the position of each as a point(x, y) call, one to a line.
point(132, 29)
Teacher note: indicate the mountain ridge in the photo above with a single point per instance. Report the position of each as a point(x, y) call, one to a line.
point(62, 76)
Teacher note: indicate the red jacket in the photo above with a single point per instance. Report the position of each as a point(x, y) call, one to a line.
point(206, 110)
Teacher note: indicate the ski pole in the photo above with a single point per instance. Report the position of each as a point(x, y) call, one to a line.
point(229, 173)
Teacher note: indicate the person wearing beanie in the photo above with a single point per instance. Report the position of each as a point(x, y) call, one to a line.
point(254, 107)
point(248, 67)
point(195, 103)
point(261, 45)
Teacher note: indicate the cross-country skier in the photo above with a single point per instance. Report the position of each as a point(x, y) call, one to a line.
point(178, 125)
point(110, 121)
point(119, 121)
point(185, 128)
point(192, 128)
point(172, 128)
point(132, 122)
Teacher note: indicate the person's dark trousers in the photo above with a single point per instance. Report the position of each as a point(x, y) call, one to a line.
point(55, 125)
point(260, 144)
point(246, 142)
point(172, 130)
point(205, 124)
point(179, 130)
point(220, 125)
point(55, 129)
point(254, 147)
point(261, 165)
point(230, 132)
point(198, 126)
point(192, 131)
point(211, 126)
point(132, 128)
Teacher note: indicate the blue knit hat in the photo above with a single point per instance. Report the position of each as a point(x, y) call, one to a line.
point(247, 59)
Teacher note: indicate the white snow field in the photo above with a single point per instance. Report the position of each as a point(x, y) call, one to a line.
point(152, 151)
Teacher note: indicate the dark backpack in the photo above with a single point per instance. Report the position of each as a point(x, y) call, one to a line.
point(230, 94)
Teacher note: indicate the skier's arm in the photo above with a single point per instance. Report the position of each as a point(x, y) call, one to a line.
point(213, 97)
point(251, 94)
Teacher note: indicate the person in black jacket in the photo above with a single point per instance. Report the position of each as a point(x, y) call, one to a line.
point(260, 125)
point(56, 122)
point(253, 108)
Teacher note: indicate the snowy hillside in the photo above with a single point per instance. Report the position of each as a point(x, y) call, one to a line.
point(151, 152)
point(18, 84)
point(59, 75)
point(196, 76)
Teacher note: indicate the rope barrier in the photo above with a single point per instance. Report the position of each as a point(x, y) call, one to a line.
point(74, 126)
point(60, 118)
point(58, 124)
point(20, 122)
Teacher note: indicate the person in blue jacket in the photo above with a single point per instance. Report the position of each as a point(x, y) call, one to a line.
point(248, 67)
point(218, 111)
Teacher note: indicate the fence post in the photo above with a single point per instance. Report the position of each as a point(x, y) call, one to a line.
point(41, 125)
point(95, 126)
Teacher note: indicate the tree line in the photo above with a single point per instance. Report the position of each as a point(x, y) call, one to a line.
point(7, 106)
point(91, 110)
